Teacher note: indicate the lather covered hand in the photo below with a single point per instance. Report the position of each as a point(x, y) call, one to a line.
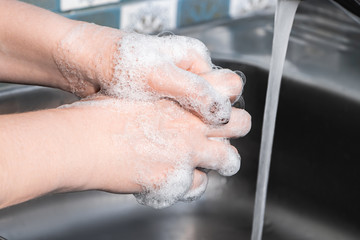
point(139, 67)
point(152, 149)
point(159, 114)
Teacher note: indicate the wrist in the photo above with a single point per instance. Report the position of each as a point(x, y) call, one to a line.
point(93, 159)
point(84, 57)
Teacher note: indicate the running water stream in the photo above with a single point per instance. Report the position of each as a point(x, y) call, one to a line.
point(284, 17)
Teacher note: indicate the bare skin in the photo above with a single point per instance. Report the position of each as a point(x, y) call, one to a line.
point(42, 48)
point(26, 46)
point(73, 149)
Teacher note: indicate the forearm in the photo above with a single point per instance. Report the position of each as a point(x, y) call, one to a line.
point(28, 37)
point(37, 156)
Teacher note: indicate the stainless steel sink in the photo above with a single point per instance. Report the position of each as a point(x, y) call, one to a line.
point(313, 191)
point(314, 178)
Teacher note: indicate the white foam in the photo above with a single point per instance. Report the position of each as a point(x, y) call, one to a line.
point(159, 150)
point(168, 192)
point(144, 65)
point(139, 56)
point(167, 151)
point(163, 161)
point(144, 68)
point(196, 193)
point(76, 61)
point(137, 61)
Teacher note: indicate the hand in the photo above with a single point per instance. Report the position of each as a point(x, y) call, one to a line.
point(152, 149)
point(135, 66)
point(108, 143)
point(85, 58)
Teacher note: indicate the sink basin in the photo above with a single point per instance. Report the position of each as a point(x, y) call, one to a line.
point(313, 189)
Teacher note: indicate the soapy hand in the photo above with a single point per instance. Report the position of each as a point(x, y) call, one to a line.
point(139, 67)
point(162, 122)
point(162, 144)
point(153, 149)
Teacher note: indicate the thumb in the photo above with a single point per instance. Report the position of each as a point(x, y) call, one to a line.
point(188, 53)
point(193, 93)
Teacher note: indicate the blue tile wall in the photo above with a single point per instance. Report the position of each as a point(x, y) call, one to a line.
point(190, 11)
point(105, 16)
point(70, 5)
point(52, 5)
point(55, 5)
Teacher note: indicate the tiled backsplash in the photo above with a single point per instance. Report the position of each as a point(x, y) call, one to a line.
point(190, 11)
point(149, 16)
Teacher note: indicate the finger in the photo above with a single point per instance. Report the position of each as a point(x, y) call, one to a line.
point(220, 156)
point(238, 126)
point(193, 93)
point(226, 82)
point(211, 154)
point(197, 58)
point(195, 62)
point(198, 187)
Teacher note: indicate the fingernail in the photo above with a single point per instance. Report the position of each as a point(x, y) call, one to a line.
point(224, 120)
